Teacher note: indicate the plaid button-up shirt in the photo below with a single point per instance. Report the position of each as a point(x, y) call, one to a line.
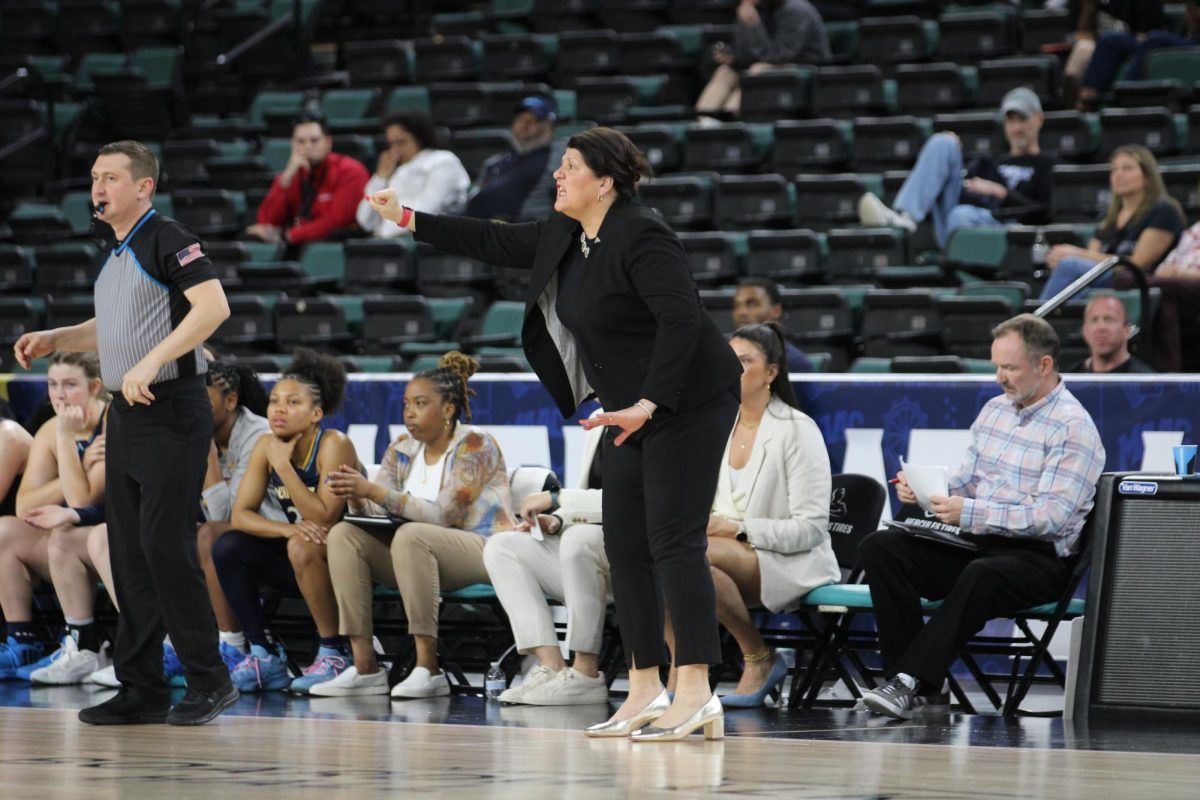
point(1031, 472)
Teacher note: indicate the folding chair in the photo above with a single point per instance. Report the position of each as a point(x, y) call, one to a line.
point(855, 505)
point(1031, 647)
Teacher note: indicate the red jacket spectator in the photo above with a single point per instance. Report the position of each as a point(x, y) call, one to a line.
point(338, 184)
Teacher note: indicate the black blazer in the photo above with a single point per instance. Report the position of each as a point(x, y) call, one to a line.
point(643, 330)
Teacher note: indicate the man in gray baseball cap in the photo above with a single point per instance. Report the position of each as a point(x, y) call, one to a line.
point(1014, 188)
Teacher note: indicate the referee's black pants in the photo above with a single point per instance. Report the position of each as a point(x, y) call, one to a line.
point(658, 492)
point(156, 458)
point(1005, 576)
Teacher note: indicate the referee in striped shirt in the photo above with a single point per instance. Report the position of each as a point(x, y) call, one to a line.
point(157, 299)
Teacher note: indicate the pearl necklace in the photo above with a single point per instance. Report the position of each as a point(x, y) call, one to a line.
point(583, 244)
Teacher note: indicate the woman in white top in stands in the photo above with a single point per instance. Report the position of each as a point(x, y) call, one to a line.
point(567, 564)
point(428, 179)
point(768, 537)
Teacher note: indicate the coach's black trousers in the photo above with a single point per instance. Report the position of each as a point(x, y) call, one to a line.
point(155, 464)
point(1005, 576)
point(658, 492)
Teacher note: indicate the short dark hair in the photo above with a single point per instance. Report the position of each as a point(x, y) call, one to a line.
point(1105, 294)
point(1039, 336)
point(419, 125)
point(306, 117)
point(142, 161)
point(767, 285)
point(610, 154)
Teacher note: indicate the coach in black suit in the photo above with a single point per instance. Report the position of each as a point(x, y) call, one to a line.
point(612, 311)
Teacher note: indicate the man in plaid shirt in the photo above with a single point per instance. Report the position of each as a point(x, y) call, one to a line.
point(1021, 495)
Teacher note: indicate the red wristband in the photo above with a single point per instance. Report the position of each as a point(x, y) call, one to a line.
point(405, 217)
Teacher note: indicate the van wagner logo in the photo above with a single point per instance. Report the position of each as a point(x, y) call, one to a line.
point(1138, 487)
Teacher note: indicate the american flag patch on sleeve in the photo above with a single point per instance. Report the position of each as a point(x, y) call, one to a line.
point(189, 254)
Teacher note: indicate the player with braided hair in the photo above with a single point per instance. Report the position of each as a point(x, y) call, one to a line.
point(442, 490)
point(288, 468)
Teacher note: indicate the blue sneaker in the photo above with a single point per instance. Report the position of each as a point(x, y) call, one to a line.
point(173, 667)
point(330, 663)
point(262, 671)
point(232, 656)
point(14, 655)
point(23, 672)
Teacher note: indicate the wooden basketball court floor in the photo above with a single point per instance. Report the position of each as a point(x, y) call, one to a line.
point(273, 746)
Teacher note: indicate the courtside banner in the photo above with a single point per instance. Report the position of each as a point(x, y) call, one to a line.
point(867, 422)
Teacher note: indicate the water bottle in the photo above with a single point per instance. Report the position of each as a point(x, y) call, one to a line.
point(495, 681)
point(1038, 252)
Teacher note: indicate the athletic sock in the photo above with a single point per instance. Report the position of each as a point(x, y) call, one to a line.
point(234, 639)
point(85, 634)
point(339, 643)
point(22, 631)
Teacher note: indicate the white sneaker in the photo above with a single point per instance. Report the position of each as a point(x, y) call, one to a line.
point(873, 211)
point(535, 678)
point(422, 683)
point(569, 688)
point(70, 665)
point(105, 677)
point(350, 684)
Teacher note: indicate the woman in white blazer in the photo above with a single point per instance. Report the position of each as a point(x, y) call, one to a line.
point(768, 537)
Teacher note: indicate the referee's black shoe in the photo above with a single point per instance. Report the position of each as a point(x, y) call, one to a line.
point(199, 706)
point(130, 707)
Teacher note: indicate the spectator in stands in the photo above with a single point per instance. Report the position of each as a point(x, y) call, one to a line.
point(567, 563)
point(65, 466)
point(1021, 497)
point(768, 537)
point(518, 184)
point(1093, 19)
point(413, 165)
point(1106, 329)
point(317, 193)
point(1178, 278)
point(1128, 48)
point(15, 442)
point(292, 468)
point(766, 33)
point(447, 481)
point(239, 404)
point(758, 300)
point(1142, 224)
point(1014, 188)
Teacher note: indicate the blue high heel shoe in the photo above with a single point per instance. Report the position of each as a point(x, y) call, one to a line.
point(779, 670)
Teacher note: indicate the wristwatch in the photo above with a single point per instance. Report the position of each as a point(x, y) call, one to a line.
point(553, 500)
point(742, 534)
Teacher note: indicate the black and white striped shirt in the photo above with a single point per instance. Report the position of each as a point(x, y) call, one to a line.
point(139, 297)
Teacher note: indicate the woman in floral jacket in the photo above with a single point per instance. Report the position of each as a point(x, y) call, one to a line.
point(446, 486)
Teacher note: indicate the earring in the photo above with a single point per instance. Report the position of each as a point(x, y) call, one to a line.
point(599, 196)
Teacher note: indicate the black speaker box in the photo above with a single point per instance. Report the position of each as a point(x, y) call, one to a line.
point(1140, 651)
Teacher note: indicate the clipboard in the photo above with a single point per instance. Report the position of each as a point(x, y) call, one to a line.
point(374, 524)
point(932, 535)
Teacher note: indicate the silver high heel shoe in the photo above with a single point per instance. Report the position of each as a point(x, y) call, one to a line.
point(657, 707)
point(710, 716)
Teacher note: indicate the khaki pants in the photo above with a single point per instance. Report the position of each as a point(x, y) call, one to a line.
point(723, 92)
point(423, 561)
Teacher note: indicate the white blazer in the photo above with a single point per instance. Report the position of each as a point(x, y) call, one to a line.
point(580, 505)
point(788, 484)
